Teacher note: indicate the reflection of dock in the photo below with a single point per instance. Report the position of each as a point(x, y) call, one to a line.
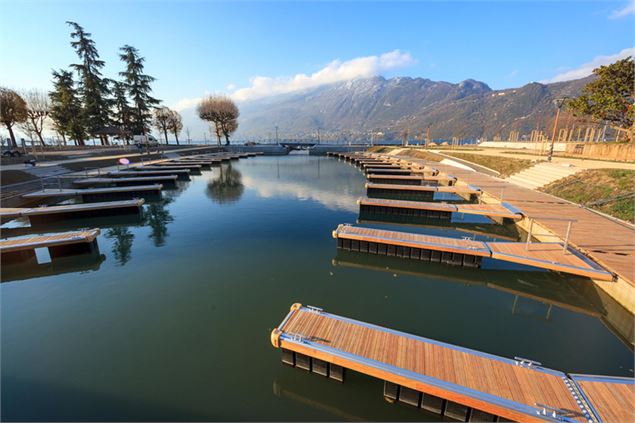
point(60, 266)
point(545, 288)
point(457, 382)
point(466, 252)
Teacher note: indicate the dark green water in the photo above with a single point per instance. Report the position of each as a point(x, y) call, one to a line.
point(173, 322)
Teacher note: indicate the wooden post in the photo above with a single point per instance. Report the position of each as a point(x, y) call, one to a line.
point(531, 225)
point(566, 238)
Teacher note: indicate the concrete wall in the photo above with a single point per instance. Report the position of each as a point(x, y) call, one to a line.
point(322, 149)
point(268, 150)
point(605, 151)
point(533, 146)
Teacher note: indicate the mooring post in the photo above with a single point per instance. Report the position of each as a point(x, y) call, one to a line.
point(531, 225)
point(566, 238)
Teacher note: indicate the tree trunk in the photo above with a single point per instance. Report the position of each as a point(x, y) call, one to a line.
point(39, 135)
point(176, 136)
point(226, 139)
point(165, 134)
point(13, 143)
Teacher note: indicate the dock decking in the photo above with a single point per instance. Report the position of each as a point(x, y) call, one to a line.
point(418, 192)
point(99, 193)
point(435, 209)
point(68, 210)
point(126, 181)
point(182, 174)
point(466, 252)
point(460, 383)
point(18, 250)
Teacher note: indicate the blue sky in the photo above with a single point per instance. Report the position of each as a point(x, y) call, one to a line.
point(200, 47)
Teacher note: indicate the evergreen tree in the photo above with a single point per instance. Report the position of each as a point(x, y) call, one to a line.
point(66, 107)
point(139, 89)
point(122, 112)
point(92, 87)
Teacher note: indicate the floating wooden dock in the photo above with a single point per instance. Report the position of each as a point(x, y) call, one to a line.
point(456, 382)
point(414, 179)
point(418, 192)
point(435, 210)
point(466, 251)
point(182, 174)
point(97, 194)
point(127, 181)
point(47, 213)
point(167, 166)
point(69, 243)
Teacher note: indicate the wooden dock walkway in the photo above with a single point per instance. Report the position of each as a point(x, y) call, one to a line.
point(16, 250)
point(612, 246)
point(466, 252)
point(168, 166)
point(73, 210)
point(88, 194)
point(414, 179)
point(126, 181)
point(457, 382)
point(418, 192)
point(182, 174)
point(435, 209)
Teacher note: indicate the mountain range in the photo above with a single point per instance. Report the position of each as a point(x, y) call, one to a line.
point(355, 109)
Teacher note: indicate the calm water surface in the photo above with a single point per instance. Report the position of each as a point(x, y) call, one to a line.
point(173, 321)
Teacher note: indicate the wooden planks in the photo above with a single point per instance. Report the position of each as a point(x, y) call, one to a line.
point(497, 385)
point(611, 398)
point(548, 255)
point(405, 239)
point(73, 208)
point(76, 192)
point(56, 240)
point(104, 181)
point(457, 189)
point(492, 210)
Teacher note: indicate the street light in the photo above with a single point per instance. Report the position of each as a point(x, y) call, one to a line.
point(559, 102)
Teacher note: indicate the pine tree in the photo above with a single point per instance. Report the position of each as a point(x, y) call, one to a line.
point(139, 89)
point(92, 87)
point(66, 107)
point(122, 112)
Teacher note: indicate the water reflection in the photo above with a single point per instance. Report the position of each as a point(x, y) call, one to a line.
point(122, 246)
point(227, 187)
point(157, 217)
point(60, 266)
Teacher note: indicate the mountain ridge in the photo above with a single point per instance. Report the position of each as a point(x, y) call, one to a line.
point(352, 109)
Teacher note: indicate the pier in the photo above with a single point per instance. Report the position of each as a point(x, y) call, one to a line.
point(410, 179)
point(181, 174)
point(65, 244)
point(47, 213)
point(419, 192)
point(434, 210)
point(456, 382)
point(97, 194)
point(127, 181)
point(467, 252)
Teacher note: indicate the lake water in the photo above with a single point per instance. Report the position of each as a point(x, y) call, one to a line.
point(173, 321)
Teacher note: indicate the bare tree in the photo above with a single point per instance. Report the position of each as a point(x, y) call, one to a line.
point(12, 110)
point(222, 112)
point(162, 120)
point(38, 107)
point(175, 123)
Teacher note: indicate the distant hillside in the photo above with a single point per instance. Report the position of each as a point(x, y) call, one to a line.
point(469, 109)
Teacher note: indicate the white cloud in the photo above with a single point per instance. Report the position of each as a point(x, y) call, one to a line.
point(629, 9)
point(336, 71)
point(587, 68)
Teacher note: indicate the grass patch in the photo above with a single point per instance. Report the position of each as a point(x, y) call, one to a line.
point(9, 177)
point(504, 165)
point(422, 154)
point(380, 149)
point(611, 191)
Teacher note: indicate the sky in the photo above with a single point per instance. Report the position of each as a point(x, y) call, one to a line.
point(251, 50)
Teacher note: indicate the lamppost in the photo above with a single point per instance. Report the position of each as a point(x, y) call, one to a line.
point(559, 102)
point(277, 142)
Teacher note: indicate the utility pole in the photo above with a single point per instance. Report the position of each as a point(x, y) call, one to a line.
point(277, 142)
point(559, 102)
point(318, 133)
